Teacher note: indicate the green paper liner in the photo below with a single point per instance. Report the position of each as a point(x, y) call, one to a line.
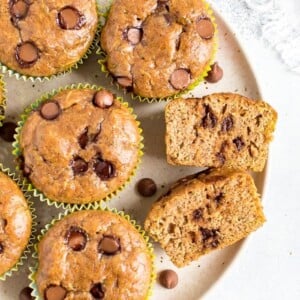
point(2, 99)
point(19, 76)
point(30, 244)
point(103, 61)
point(101, 207)
point(18, 153)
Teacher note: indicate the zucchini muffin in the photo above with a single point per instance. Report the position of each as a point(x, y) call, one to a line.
point(204, 212)
point(80, 145)
point(218, 130)
point(158, 48)
point(15, 223)
point(42, 38)
point(97, 255)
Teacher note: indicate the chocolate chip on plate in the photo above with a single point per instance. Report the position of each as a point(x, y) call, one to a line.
point(7, 131)
point(97, 291)
point(146, 187)
point(215, 74)
point(180, 79)
point(103, 99)
point(168, 279)
point(27, 54)
point(205, 28)
point(50, 110)
point(55, 292)
point(19, 9)
point(25, 294)
point(76, 238)
point(104, 169)
point(109, 245)
point(70, 18)
point(124, 81)
point(134, 35)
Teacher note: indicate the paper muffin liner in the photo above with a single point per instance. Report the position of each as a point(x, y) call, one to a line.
point(30, 244)
point(17, 152)
point(103, 61)
point(101, 207)
point(19, 76)
point(2, 99)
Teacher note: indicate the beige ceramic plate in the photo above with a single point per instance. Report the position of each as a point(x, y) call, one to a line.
point(196, 279)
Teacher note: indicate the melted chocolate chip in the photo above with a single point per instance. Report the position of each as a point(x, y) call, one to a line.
point(19, 9)
point(79, 166)
point(208, 233)
point(104, 169)
point(227, 124)
point(83, 139)
point(218, 199)
point(168, 279)
point(209, 120)
point(109, 245)
point(146, 187)
point(1, 248)
point(97, 291)
point(55, 292)
point(205, 28)
point(125, 82)
point(197, 214)
point(27, 54)
point(180, 79)
point(7, 131)
point(50, 110)
point(25, 294)
point(103, 99)
point(215, 74)
point(239, 143)
point(70, 18)
point(134, 35)
point(76, 238)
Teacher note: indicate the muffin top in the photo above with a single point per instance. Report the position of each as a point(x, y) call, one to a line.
point(42, 38)
point(80, 145)
point(97, 255)
point(15, 223)
point(158, 48)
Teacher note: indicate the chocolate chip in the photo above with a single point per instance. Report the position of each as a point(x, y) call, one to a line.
point(25, 294)
point(239, 143)
point(70, 18)
point(198, 214)
point(103, 99)
point(227, 124)
point(258, 119)
point(1, 248)
point(215, 74)
point(76, 238)
point(7, 131)
point(146, 187)
point(3, 223)
point(168, 279)
point(180, 79)
point(50, 110)
point(83, 139)
point(109, 245)
point(134, 35)
point(209, 120)
point(205, 28)
point(221, 157)
point(124, 81)
point(19, 9)
point(219, 198)
point(55, 292)
point(79, 166)
point(104, 169)
point(97, 291)
point(208, 233)
point(27, 54)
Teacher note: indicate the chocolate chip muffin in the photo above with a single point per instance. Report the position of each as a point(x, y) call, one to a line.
point(42, 38)
point(204, 212)
point(15, 223)
point(80, 145)
point(97, 255)
point(2, 100)
point(158, 48)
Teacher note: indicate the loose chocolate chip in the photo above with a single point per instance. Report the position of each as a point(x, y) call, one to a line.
point(27, 54)
point(76, 238)
point(70, 18)
point(1, 248)
point(109, 245)
point(50, 110)
point(7, 131)
point(180, 79)
point(55, 292)
point(209, 120)
point(19, 9)
point(227, 124)
point(198, 214)
point(125, 82)
point(239, 143)
point(97, 291)
point(83, 139)
point(146, 187)
point(134, 35)
point(215, 74)
point(205, 28)
point(79, 166)
point(103, 99)
point(168, 279)
point(25, 294)
point(104, 169)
